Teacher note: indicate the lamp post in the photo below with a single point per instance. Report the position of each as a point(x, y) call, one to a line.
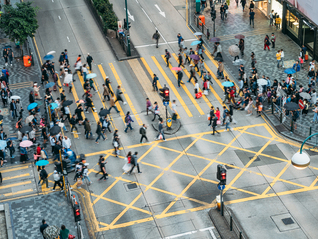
point(301, 160)
point(127, 34)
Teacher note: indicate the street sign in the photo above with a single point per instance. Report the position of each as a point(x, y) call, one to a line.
point(165, 103)
point(169, 122)
point(301, 104)
point(221, 187)
point(119, 25)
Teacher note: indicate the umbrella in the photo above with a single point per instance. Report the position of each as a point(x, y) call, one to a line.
point(239, 36)
point(290, 71)
point(215, 39)
point(48, 57)
point(305, 95)
point(195, 43)
point(25, 129)
point(262, 82)
point(104, 112)
point(55, 130)
point(15, 97)
point(91, 76)
point(6, 47)
point(176, 68)
point(227, 84)
point(49, 85)
point(291, 106)
point(218, 59)
point(1, 117)
point(67, 103)
point(42, 163)
point(234, 50)
point(26, 143)
point(68, 79)
point(54, 106)
point(51, 232)
point(80, 101)
point(3, 144)
point(198, 33)
point(50, 52)
point(239, 62)
point(195, 57)
point(32, 106)
point(29, 119)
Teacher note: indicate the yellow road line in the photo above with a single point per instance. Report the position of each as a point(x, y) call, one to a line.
point(15, 184)
point(172, 87)
point(19, 192)
point(151, 74)
point(14, 169)
point(194, 102)
point(188, 75)
point(37, 49)
point(17, 176)
point(132, 107)
point(122, 114)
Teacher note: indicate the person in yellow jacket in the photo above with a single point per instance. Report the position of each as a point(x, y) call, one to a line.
point(278, 21)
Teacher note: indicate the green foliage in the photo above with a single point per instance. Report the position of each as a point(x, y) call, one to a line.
point(20, 22)
point(105, 10)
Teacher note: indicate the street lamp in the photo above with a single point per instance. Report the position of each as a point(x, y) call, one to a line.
point(301, 160)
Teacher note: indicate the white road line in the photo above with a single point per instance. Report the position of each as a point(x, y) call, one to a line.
point(146, 14)
point(59, 17)
point(192, 232)
point(170, 42)
point(68, 39)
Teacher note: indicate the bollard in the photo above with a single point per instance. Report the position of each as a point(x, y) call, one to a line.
point(231, 223)
point(272, 107)
point(281, 117)
point(310, 132)
point(291, 125)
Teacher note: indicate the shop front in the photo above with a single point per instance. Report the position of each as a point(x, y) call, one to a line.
point(266, 6)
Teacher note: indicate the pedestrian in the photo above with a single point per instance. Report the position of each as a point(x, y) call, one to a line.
point(66, 143)
point(154, 82)
point(143, 132)
point(11, 148)
point(73, 123)
point(5, 56)
point(278, 21)
point(107, 83)
point(222, 12)
point(85, 72)
point(57, 148)
point(241, 46)
point(134, 163)
point(259, 109)
point(282, 55)
point(192, 74)
point(128, 121)
point(160, 131)
point(103, 169)
point(243, 2)
point(89, 104)
point(214, 124)
point(64, 233)
point(315, 110)
point(196, 89)
point(57, 180)
point(99, 132)
point(251, 6)
point(43, 227)
point(296, 67)
point(228, 120)
point(148, 106)
point(13, 108)
point(179, 37)
point(219, 50)
point(88, 130)
point(112, 104)
point(44, 177)
point(201, 67)
point(180, 60)
point(156, 111)
point(187, 55)
point(180, 75)
point(118, 95)
point(273, 40)
point(237, 2)
point(78, 68)
point(89, 60)
point(167, 56)
point(10, 55)
point(271, 18)
point(211, 114)
point(252, 15)
point(156, 37)
point(181, 45)
point(266, 43)
point(85, 175)
point(220, 70)
point(279, 58)
point(79, 114)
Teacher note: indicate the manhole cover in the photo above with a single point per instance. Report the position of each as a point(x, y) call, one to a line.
point(229, 167)
point(131, 186)
point(287, 221)
point(257, 159)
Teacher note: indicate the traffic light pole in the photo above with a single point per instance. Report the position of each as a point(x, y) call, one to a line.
point(214, 28)
point(62, 173)
point(222, 206)
point(127, 36)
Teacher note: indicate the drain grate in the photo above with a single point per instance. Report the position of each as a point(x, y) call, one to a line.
point(288, 221)
point(131, 186)
point(257, 159)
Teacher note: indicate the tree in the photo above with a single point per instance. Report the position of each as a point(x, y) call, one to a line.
point(20, 22)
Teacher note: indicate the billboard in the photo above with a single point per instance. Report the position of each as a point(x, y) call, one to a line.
point(307, 7)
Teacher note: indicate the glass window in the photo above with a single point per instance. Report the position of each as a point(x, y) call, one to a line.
point(292, 23)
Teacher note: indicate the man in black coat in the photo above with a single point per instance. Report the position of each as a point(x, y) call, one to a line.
point(89, 61)
point(57, 148)
point(134, 163)
point(214, 124)
point(43, 226)
point(211, 115)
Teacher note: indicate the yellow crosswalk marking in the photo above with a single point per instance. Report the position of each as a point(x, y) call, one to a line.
point(172, 87)
point(122, 114)
point(18, 192)
point(132, 107)
point(186, 90)
point(15, 184)
point(14, 169)
point(151, 74)
point(188, 75)
point(17, 176)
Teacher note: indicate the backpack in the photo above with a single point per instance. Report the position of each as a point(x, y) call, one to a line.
point(169, 55)
point(126, 119)
point(140, 130)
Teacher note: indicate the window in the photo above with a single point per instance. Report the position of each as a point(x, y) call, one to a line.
point(292, 23)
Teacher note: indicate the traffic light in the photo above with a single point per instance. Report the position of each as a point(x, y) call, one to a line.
point(221, 174)
point(213, 14)
point(125, 24)
point(77, 212)
point(163, 92)
point(167, 94)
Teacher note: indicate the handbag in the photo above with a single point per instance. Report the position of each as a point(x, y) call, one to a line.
point(218, 122)
point(156, 112)
point(205, 92)
point(71, 236)
point(36, 94)
point(198, 95)
point(160, 136)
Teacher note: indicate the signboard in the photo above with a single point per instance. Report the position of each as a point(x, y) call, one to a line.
point(169, 122)
point(119, 25)
point(301, 104)
point(165, 103)
point(221, 187)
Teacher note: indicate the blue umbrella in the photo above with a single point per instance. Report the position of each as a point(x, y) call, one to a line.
point(290, 71)
point(195, 43)
point(91, 76)
point(227, 84)
point(42, 163)
point(49, 85)
point(3, 144)
point(32, 106)
point(54, 106)
point(48, 57)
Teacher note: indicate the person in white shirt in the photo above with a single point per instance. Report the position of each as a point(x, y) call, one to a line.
point(78, 68)
point(66, 143)
point(196, 88)
point(85, 175)
point(67, 113)
point(57, 180)
point(312, 65)
point(282, 55)
point(52, 142)
point(85, 71)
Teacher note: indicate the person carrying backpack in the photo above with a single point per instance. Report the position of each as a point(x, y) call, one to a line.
point(128, 121)
point(167, 56)
point(156, 37)
point(228, 120)
point(143, 132)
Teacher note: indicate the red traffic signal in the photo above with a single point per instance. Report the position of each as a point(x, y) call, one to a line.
point(77, 212)
point(221, 174)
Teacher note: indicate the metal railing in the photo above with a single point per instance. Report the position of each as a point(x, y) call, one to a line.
point(203, 28)
point(233, 224)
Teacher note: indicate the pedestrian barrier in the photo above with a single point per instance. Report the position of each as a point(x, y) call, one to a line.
point(201, 25)
point(233, 224)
